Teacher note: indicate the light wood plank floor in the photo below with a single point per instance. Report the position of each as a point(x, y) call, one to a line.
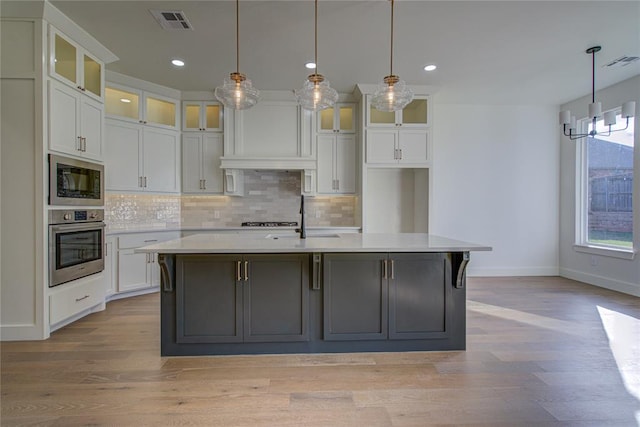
point(540, 352)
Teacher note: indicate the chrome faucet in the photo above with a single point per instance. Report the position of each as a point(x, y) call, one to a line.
point(302, 230)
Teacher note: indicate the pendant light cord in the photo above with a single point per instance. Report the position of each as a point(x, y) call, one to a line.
point(237, 36)
point(593, 77)
point(316, 36)
point(391, 61)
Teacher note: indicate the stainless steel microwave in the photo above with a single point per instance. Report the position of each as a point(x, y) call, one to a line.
point(74, 182)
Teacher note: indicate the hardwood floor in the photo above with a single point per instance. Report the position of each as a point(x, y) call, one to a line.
point(540, 352)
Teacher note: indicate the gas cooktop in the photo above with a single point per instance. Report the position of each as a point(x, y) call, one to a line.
point(270, 224)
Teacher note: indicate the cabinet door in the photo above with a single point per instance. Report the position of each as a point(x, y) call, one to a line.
point(212, 147)
point(326, 162)
point(201, 116)
point(191, 163)
point(381, 146)
point(91, 128)
point(123, 103)
point(133, 270)
point(64, 117)
point(419, 293)
point(122, 156)
point(64, 58)
point(208, 299)
point(355, 297)
point(414, 146)
point(160, 111)
point(92, 76)
point(415, 113)
point(345, 164)
point(160, 160)
point(276, 300)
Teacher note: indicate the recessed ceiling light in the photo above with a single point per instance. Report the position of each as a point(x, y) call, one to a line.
point(430, 67)
point(177, 62)
point(310, 65)
point(125, 100)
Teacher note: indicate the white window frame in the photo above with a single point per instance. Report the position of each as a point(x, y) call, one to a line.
point(582, 203)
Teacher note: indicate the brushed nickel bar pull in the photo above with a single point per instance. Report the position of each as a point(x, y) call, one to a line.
point(80, 299)
point(246, 271)
point(392, 270)
point(79, 144)
point(204, 184)
point(238, 274)
point(384, 269)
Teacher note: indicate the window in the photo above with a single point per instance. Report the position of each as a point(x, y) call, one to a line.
point(606, 199)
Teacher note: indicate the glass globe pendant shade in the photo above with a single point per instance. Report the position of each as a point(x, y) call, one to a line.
point(316, 94)
point(392, 95)
point(237, 92)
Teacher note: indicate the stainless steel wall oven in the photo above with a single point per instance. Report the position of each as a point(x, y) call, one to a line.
point(76, 244)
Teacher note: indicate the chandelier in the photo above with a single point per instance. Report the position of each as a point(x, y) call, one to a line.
point(568, 121)
point(392, 94)
point(316, 93)
point(237, 92)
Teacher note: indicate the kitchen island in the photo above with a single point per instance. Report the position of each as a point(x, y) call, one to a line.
point(277, 293)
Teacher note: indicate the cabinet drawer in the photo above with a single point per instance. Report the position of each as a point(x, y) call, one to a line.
point(129, 241)
point(75, 297)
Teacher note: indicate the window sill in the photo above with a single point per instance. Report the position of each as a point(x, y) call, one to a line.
point(606, 251)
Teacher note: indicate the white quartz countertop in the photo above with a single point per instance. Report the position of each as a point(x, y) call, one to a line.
point(275, 242)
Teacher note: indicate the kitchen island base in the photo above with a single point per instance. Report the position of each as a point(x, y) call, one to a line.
point(222, 304)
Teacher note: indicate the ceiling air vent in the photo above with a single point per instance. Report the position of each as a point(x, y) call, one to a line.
point(622, 61)
point(172, 19)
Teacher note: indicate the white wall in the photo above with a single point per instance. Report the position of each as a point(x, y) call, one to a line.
point(613, 273)
point(496, 183)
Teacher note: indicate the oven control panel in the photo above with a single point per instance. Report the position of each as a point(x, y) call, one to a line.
point(68, 216)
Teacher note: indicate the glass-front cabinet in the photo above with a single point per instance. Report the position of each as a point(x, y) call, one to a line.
point(201, 116)
point(74, 66)
point(142, 107)
point(415, 114)
point(340, 118)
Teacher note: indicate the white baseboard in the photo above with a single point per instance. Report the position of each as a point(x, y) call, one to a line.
point(511, 271)
point(129, 294)
point(22, 333)
point(603, 282)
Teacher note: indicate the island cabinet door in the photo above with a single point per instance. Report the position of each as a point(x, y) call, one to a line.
point(208, 299)
point(276, 298)
point(355, 297)
point(419, 296)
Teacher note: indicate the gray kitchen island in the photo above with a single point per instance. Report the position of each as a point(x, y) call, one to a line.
point(277, 293)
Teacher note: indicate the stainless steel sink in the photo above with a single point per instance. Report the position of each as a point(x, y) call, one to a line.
point(297, 236)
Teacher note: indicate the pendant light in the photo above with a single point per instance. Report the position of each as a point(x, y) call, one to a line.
point(316, 93)
point(568, 122)
point(237, 92)
point(392, 94)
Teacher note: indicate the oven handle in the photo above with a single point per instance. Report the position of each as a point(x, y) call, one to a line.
point(77, 227)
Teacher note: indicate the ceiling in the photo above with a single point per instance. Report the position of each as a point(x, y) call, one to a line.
point(502, 52)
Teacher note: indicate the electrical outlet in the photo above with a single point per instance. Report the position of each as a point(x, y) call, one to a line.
point(216, 214)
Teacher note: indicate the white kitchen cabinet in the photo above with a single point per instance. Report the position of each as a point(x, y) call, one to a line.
point(137, 106)
point(139, 271)
point(336, 164)
point(141, 158)
point(71, 299)
point(76, 122)
point(201, 171)
point(339, 119)
point(199, 116)
point(74, 66)
point(406, 147)
point(110, 265)
point(415, 115)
